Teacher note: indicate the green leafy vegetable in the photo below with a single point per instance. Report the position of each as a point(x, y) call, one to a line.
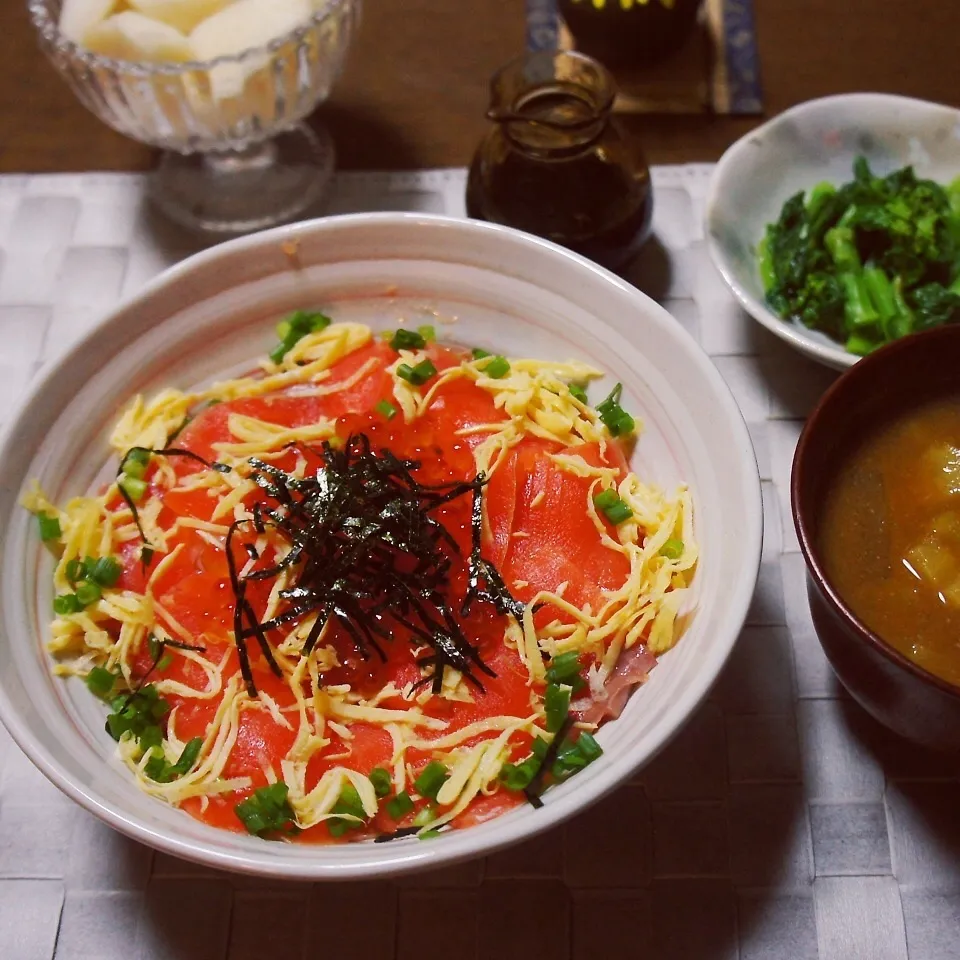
point(867, 262)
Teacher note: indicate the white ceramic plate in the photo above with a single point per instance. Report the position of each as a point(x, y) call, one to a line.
point(214, 314)
point(815, 141)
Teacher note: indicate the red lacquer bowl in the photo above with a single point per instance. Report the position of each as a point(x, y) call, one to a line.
point(900, 694)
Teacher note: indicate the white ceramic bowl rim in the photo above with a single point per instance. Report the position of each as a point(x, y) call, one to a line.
point(49, 29)
point(830, 353)
point(383, 859)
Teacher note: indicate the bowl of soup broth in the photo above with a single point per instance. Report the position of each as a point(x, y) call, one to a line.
point(876, 502)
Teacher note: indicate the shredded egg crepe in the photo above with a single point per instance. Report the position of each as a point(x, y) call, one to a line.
point(378, 587)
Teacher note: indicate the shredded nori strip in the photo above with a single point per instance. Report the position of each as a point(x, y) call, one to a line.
point(536, 786)
point(397, 834)
point(367, 553)
point(146, 554)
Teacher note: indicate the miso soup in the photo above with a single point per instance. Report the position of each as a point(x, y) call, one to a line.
point(890, 535)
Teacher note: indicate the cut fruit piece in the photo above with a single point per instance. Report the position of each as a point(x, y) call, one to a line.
point(244, 25)
point(182, 15)
point(134, 37)
point(78, 16)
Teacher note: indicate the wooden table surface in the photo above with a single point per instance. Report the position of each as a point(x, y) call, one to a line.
point(416, 87)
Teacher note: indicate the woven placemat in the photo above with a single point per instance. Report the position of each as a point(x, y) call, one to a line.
point(781, 824)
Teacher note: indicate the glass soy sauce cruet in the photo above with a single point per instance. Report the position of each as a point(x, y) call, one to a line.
point(555, 163)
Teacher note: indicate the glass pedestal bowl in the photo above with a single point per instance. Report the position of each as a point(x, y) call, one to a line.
point(236, 155)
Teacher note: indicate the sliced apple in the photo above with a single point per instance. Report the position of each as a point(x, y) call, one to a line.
point(244, 25)
point(183, 15)
point(132, 36)
point(78, 16)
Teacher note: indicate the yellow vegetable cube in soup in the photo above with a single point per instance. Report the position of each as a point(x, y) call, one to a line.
point(941, 464)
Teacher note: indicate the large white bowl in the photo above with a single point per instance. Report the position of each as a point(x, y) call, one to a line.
point(213, 314)
point(817, 140)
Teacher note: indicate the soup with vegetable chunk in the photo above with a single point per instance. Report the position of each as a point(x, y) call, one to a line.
point(890, 535)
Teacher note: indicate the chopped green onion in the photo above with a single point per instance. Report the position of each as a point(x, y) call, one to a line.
point(164, 662)
point(66, 603)
point(161, 771)
point(134, 488)
point(400, 805)
point(338, 828)
point(479, 354)
point(428, 834)
point(381, 781)
point(138, 455)
point(588, 747)
point(577, 392)
point(407, 340)
point(100, 682)
point(75, 570)
point(294, 329)
point(134, 468)
point(417, 375)
point(88, 593)
point(425, 815)
point(615, 510)
point(672, 549)
point(573, 757)
point(49, 527)
point(556, 702)
point(518, 776)
point(428, 332)
point(613, 416)
point(350, 803)
point(266, 810)
point(565, 668)
point(139, 714)
point(386, 409)
point(154, 647)
point(497, 368)
point(188, 757)
point(432, 778)
point(105, 571)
